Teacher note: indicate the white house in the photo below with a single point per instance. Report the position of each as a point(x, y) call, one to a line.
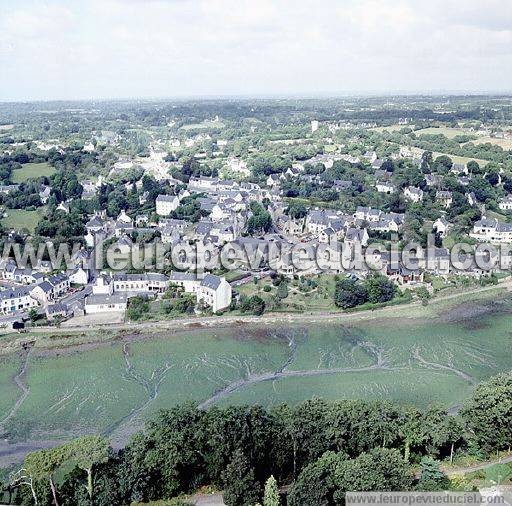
point(105, 303)
point(17, 299)
point(506, 203)
point(215, 292)
point(385, 187)
point(212, 290)
point(166, 204)
point(413, 194)
point(79, 277)
point(140, 283)
point(441, 226)
point(492, 230)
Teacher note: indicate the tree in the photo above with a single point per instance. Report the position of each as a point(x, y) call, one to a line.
point(271, 494)
point(282, 290)
point(315, 484)
point(43, 464)
point(328, 479)
point(380, 469)
point(431, 477)
point(296, 210)
point(240, 485)
point(424, 295)
point(33, 314)
point(88, 451)
point(254, 304)
point(380, 289)
point(349, 293)
point(488, 413)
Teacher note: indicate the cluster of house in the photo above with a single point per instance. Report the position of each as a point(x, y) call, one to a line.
point(110, 293)
point(30, 288)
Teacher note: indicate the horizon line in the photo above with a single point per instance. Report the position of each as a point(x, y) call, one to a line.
point(274, 96)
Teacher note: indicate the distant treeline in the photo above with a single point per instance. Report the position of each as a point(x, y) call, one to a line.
point(320, 448)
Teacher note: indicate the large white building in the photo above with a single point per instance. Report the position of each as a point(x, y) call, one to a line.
point(166, 204)
point(105, 303)
point(492, 231)
point(212, 290)
point(215, 292)
point(16, 299)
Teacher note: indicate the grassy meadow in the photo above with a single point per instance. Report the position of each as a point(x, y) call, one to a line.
point(20, 219)
point(32, 170)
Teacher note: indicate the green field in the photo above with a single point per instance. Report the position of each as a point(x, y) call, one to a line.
point(204, 125)
point(300, 297)
point(390, 128)
point(448, 132)
point(20, 219)
point(31, 170)
point(421, 360)
point(462, 159)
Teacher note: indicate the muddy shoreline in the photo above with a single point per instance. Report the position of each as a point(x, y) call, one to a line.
point(461, 309)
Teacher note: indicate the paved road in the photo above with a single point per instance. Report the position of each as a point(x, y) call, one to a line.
point(77, 296)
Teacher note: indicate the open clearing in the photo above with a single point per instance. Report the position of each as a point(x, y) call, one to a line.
point(32, 170)
point(448, 132)
point(19, 219)
point(390, 128)
point(204, 125)
point(505, 144)
point(462, 159)
point(419, 358)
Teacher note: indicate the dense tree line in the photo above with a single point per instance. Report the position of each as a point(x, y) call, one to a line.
point(375, 289)
point(321, 448)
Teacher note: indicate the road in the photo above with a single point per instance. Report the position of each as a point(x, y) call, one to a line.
point(76, 296)
point(451, 471)
point(273, 318)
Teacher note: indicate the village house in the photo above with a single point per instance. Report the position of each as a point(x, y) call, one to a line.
point(213, 291)
point(356, 237)
point(432, 179)
point(106, 303)
point(56, 311)
point(16, 299)
point(441, 226)
point(492, 230)
point(413, 194)
point(52, 288)
point(166, 204)
point(273, 180)
point(151, 282)
point(186, 280)
point(367, 214)
point(385, 187)
point(505, 204)
point(445, 198)
point(79, 276)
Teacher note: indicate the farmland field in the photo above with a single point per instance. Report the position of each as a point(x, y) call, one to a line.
point(448, 132)
point(205, 124)
point(390, 128)
point(19, 219)
point(505, 144)
point(462, 159)
point(31, 170)
point(112, 387)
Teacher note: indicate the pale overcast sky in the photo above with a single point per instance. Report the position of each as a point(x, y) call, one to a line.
point(64, 49)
